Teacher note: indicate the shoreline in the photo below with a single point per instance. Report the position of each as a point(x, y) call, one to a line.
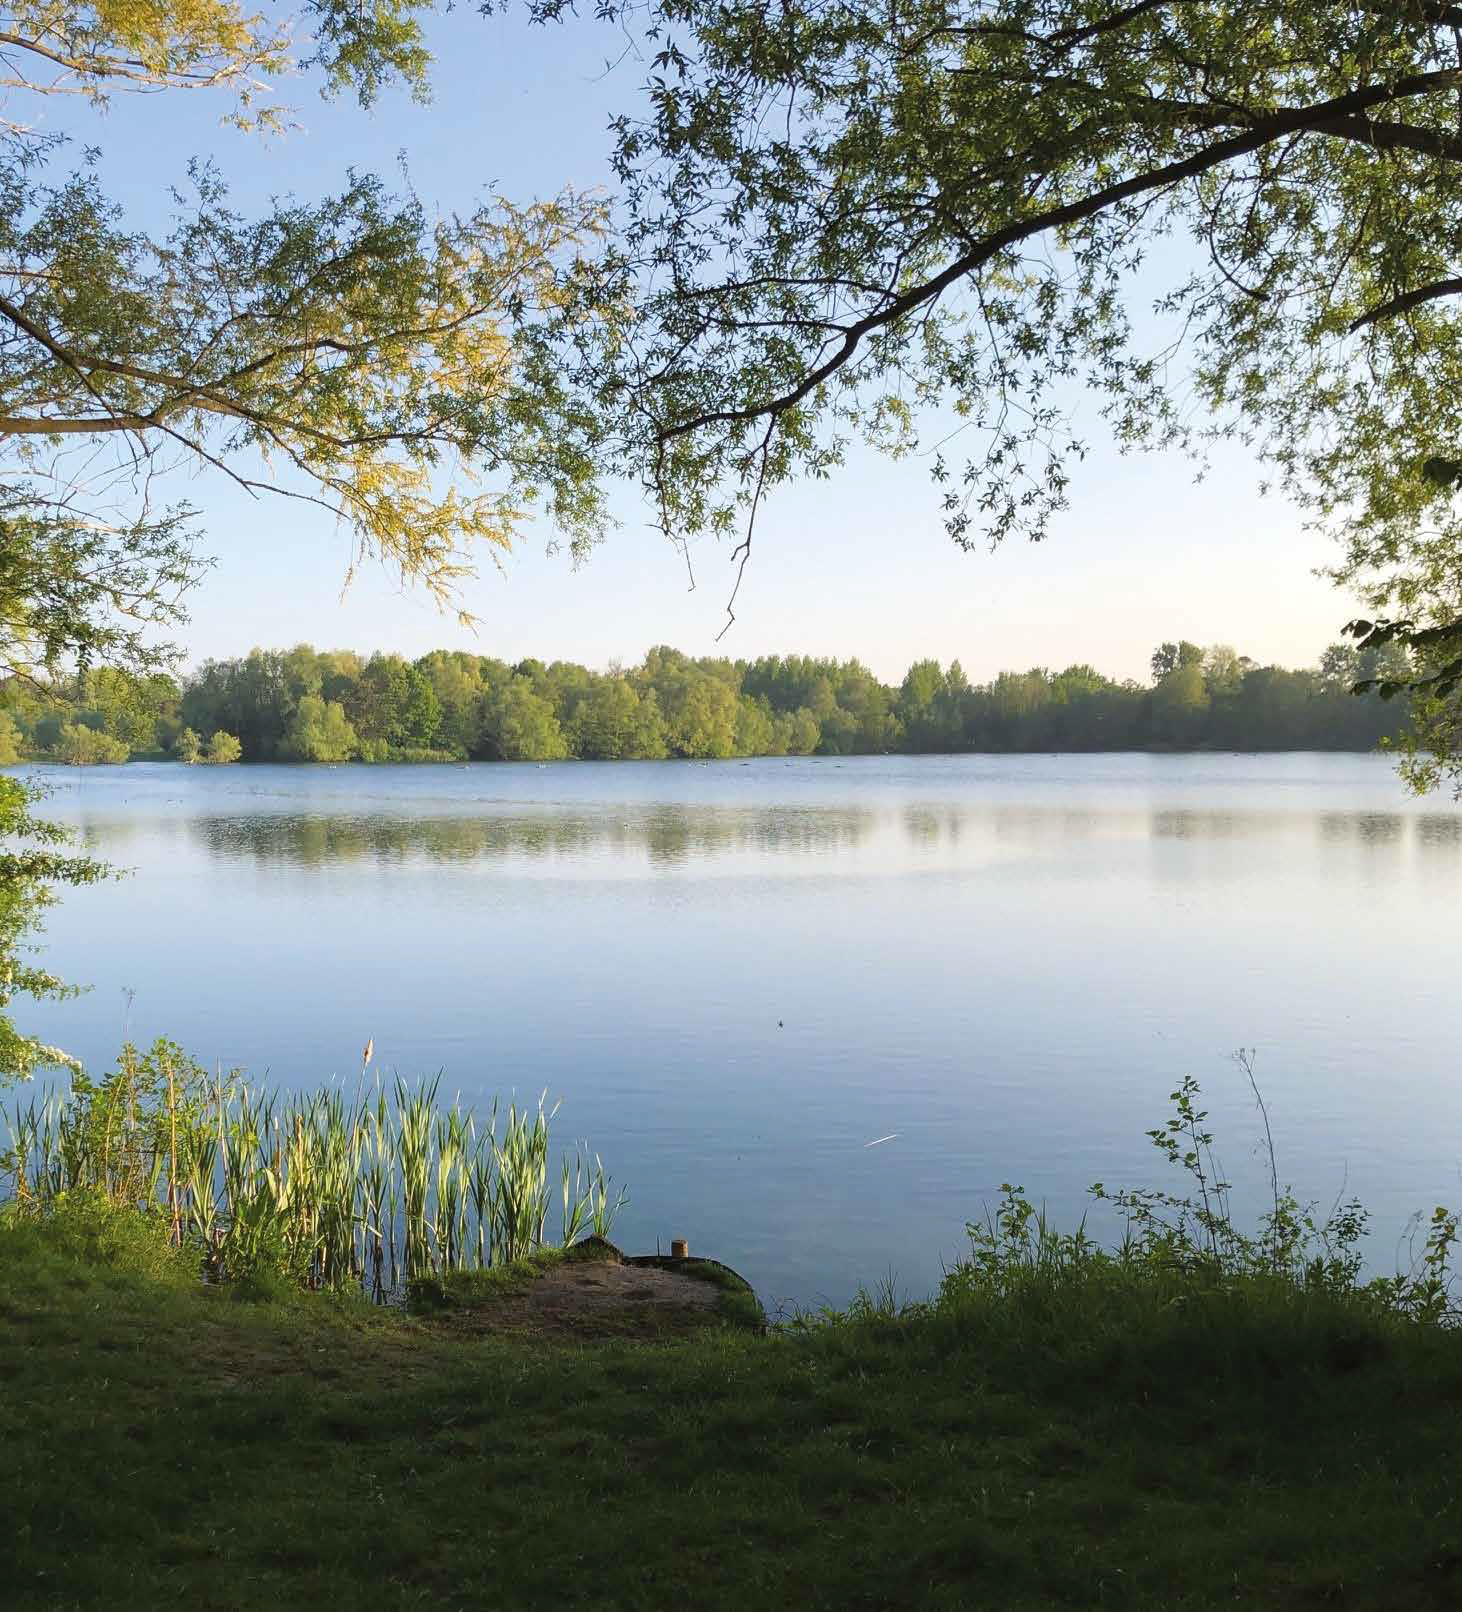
point(1074, 1444)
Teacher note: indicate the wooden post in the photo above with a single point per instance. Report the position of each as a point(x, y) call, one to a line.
point(679, 1248)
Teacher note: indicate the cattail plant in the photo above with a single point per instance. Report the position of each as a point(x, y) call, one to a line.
point(387, 1187)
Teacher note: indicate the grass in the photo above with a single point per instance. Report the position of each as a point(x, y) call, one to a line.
point(1203, 1417)
point(1087, 1441)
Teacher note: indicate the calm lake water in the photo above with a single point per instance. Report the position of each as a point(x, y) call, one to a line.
point(739, 975)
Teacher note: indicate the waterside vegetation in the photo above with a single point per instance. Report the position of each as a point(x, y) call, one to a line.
point(386, 1188)
point(333, 706)
point(1201, 1416)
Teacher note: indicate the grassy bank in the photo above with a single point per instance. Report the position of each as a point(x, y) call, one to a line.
point(1082, 1438)
point(1203, 1417)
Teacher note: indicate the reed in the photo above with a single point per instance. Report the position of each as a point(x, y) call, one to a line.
point(391, 1186)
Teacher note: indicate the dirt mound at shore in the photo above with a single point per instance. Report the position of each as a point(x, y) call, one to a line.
point(595, 1291)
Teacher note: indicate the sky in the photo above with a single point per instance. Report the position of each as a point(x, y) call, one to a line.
point(860, 565)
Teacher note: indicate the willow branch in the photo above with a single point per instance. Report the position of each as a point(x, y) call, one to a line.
point(1339, 117)
point(1407, 300)
point(124, 68)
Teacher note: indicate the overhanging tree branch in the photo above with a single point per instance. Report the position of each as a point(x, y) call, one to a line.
point(1407, 300)
point(1337, 117)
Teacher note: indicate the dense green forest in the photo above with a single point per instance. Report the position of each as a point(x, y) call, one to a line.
point(304, 704)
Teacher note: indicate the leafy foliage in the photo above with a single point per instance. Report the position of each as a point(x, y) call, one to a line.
point(356, 342)
point(1058, 1435)
point(1189, 1245)
point(353, 352)
point(78, 746)
point(378, 359)
point(1213, 220)
point(1428, 668)
point(80, 588)
point(35, 859)
point(319, 731)
point(334, 706)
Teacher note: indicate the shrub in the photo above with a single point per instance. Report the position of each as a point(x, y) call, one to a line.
point(1186, 1249)
point(80, 746)
point(85, 1225)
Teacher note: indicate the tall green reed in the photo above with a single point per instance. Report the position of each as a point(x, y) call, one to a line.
point(390, 1186)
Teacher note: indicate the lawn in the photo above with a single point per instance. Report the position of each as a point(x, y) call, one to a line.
point(170, 1443)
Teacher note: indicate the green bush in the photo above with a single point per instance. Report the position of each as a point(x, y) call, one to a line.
point(378, 752)
point(84, 1226)
point(80, 746)
point(1184, 1255)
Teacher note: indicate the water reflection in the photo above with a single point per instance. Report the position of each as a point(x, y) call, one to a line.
point(674, 834)
point(1369, 828)
point(1443, 833)
point(668, 835)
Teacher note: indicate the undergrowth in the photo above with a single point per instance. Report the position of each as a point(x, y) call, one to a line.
point(1201, 1416)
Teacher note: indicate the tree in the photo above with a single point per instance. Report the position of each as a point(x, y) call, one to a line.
point(456, 681)
point(797, 732)
point(251, 697)
point(1274, 709)
point(869, 704)
point(519, 725)
point(186, 746)
point(9, 740)
point(700, 713)
point(319, 731)
point(376, 701)
point(1223, 670)
point(421, 711)
point(837, 214)
point(1015, 702)
point(358, 340)
point(1169, 657)
point(223, 748)
point(756, 732)
point(80, 746)
point(613, 722)
point(34, 862)
point(931, 705)
point(1179, 703)
point(129, 706)
point(1340, 666)
point(362, 344)
point(85, 588)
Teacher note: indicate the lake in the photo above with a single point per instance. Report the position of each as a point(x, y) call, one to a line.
point(813, 1012)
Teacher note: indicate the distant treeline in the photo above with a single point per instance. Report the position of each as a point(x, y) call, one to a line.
point(304, 704)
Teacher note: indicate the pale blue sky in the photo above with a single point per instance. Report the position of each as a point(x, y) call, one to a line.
point(859, 566)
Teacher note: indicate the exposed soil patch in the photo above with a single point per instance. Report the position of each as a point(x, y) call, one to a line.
point(581, 1297)
point(597, 1293)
